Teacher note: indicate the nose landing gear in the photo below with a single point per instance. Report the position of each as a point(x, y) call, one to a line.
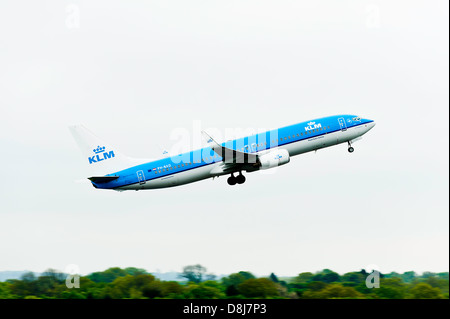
point(233, 180)
point(350, 148)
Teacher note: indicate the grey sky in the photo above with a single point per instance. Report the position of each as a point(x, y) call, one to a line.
point(133, 72)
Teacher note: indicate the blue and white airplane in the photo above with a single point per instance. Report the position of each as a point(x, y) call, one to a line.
point(256, 152)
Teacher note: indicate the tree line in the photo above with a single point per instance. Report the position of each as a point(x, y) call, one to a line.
point(136, 283)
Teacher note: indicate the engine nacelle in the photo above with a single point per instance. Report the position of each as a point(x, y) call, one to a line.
point(274, 158)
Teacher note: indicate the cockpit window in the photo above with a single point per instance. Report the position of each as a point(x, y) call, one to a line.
point(357, 118)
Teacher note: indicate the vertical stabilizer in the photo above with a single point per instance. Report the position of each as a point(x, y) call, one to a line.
point(101, 157)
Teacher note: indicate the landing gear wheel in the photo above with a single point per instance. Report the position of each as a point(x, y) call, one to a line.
point(240, 179)
point(350, 148)
point(231, 180)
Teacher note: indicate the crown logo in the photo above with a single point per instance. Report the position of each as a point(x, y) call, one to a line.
point(311, 123)
point(98, 149)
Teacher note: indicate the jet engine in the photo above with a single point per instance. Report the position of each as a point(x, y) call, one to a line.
point(274, 158)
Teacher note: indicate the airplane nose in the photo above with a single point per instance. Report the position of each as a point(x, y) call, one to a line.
point(371, 125)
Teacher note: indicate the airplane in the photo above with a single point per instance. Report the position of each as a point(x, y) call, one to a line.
point(260, 151)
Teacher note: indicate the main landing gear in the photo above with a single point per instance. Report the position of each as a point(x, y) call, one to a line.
point(350, 148)
point(233, 180)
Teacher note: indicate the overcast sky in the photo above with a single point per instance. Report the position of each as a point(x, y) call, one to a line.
point(134, 72)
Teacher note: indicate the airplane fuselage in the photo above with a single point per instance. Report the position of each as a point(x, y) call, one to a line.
point(206, 163)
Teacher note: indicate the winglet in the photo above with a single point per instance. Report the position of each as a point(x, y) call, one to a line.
point(210, 141)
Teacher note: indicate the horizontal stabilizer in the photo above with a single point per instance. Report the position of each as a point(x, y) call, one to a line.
point(102, 179)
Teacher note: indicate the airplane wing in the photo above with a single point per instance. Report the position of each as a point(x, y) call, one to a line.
point(233, 160)
point(230, 155)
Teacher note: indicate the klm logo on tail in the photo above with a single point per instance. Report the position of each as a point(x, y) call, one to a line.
point(100, 155)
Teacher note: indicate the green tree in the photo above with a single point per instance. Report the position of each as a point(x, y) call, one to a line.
point(28, 277)
point(90, 289)
point(316, 285)
point(274, 278)
point(135, 271)
point(437, 282)
point(171, 289)
point(425, 291)
point(333, 291)
point(443, 275)
point(195, 273)
point(48, 285)
point(355, 278)
point(297, 288)
point(331, 277)
point(153, 289)
point(408, 276)
point(232, 281)
point(128, 286)
point(326, 275)
point(109, 275)
point(205, 290)
point(258, 288)
point(72, 294)
point(391, 288)
point(5, 291)
point(304, 277)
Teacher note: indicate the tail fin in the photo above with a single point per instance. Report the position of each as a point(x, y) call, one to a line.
point(101, 157)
